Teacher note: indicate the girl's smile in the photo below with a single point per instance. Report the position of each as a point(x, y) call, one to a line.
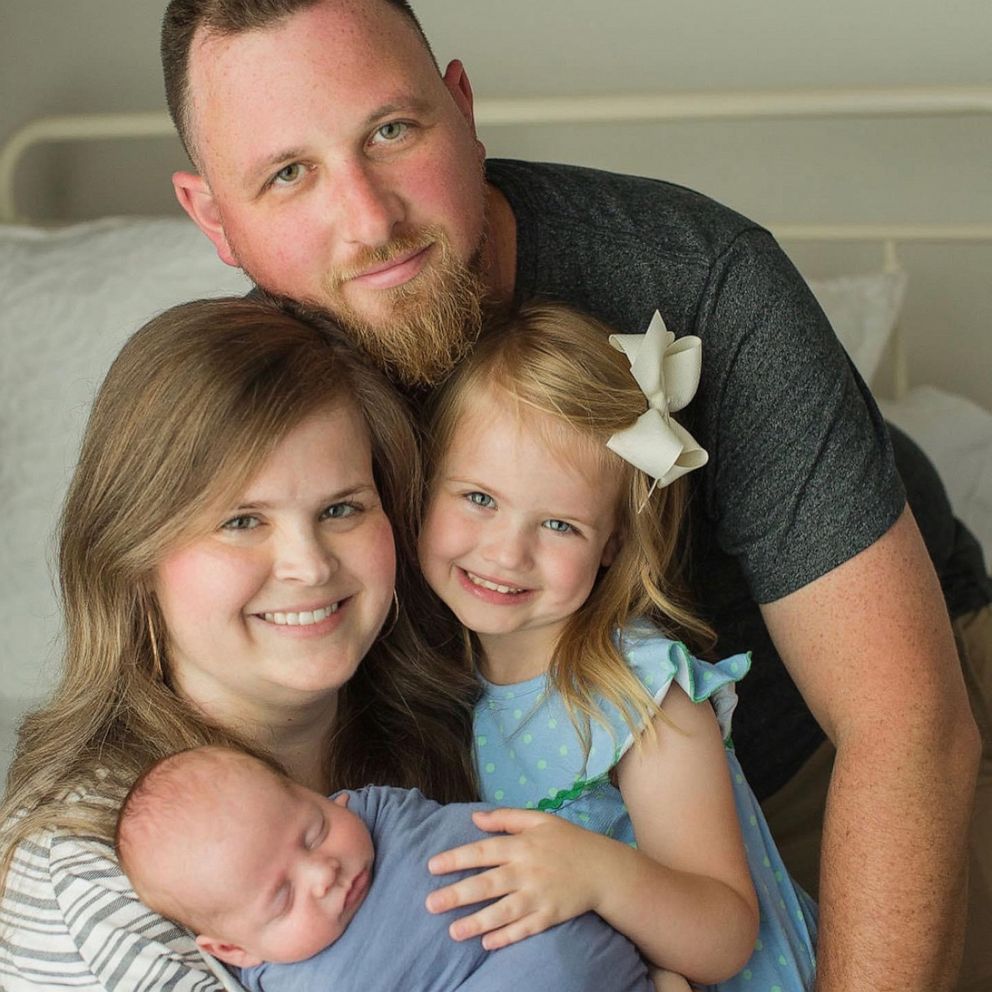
point(490, 590)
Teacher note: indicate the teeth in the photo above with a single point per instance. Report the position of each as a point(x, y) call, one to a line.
point(303, 619)
point(477, 580)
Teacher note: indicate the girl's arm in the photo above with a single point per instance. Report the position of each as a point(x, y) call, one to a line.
point(684, 897)
point(687, 900)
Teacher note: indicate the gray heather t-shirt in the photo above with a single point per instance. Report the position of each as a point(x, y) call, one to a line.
point(393, 943)
point(801, 475)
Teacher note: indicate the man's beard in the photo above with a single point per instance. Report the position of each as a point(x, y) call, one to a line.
point(434, 319)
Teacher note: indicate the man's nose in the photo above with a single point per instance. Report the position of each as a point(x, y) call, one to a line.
point(368, 208)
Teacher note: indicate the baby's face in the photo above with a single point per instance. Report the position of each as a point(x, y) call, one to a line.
point(296, 870)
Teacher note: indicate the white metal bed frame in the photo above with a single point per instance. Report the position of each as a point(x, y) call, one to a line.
point(634, 107)
point(622, 108)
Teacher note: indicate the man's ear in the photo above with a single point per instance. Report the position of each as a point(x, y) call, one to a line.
point(455, 78)
point(228, 953)
point(195, 198)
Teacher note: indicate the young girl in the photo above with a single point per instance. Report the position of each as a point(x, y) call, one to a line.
point(552, 533)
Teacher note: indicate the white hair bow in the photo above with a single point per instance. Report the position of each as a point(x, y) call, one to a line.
point(668, 373)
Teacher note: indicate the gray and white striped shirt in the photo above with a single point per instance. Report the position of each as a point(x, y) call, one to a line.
point(70, 919)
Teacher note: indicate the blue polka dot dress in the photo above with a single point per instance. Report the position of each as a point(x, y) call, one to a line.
point(529, 755)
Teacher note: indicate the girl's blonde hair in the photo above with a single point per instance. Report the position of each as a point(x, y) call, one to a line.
point(548, 358)
point(189, 411)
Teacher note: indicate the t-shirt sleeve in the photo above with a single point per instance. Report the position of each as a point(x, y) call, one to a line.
point(802, 475)
point(74, 921)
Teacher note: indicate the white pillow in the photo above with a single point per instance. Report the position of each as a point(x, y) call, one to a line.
point(863, 310)
point(956, 435)
point(69, 298)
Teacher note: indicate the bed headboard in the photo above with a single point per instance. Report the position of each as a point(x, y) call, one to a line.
point(728, 105)
point(889, 239)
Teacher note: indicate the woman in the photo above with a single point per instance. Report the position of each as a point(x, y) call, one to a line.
point(226, 562)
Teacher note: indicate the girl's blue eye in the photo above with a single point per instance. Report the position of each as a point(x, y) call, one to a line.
point(338, 510)
point(481, 499)
point(558, 526)
point(243, 522)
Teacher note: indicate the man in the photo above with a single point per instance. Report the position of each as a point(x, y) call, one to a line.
point(340, 169)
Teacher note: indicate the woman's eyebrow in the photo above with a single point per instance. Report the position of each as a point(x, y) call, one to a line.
point(334, 497)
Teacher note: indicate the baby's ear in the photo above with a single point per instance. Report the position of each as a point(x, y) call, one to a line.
point(228, 953)
point(341, 799)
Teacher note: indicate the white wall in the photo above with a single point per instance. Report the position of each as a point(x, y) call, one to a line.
point(84, 55)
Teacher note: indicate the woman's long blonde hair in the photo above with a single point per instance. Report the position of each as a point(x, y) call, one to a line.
point(187, 414)
point(548, 358)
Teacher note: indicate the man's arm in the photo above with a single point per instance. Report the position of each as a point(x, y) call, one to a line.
point(870, 647)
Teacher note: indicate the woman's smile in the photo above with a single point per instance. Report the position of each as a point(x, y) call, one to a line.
point(301, 618)
point(281, 599)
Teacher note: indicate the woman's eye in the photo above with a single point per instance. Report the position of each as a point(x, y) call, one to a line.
point(391, 131)
point(244, 522)
point(338, 510)
point(558, 526)
point(288, 174)
point(481, 499)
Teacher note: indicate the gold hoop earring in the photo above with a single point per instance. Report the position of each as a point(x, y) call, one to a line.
point(396, 615)
point(157, 670)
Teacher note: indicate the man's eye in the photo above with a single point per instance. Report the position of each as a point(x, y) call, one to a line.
point(391, 131)
point(243, 522)
point(288, 174)
point(481, 499)
point(558, 526)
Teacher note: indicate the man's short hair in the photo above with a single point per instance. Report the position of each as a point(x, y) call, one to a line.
point(182, 20)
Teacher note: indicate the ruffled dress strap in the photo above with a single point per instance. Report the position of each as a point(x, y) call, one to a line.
point(659, 662)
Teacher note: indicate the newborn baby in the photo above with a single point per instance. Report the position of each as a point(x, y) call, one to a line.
point(296, 891)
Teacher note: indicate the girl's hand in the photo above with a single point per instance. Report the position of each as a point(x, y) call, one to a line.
point(668, 981)
point(542, 873)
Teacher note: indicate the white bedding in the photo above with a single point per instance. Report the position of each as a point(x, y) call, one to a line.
point(69, 299)
point(957, 436)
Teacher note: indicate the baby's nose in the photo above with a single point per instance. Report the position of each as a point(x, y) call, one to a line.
point(324, 875)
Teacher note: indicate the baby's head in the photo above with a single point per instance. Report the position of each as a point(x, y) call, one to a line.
point(260, 868)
